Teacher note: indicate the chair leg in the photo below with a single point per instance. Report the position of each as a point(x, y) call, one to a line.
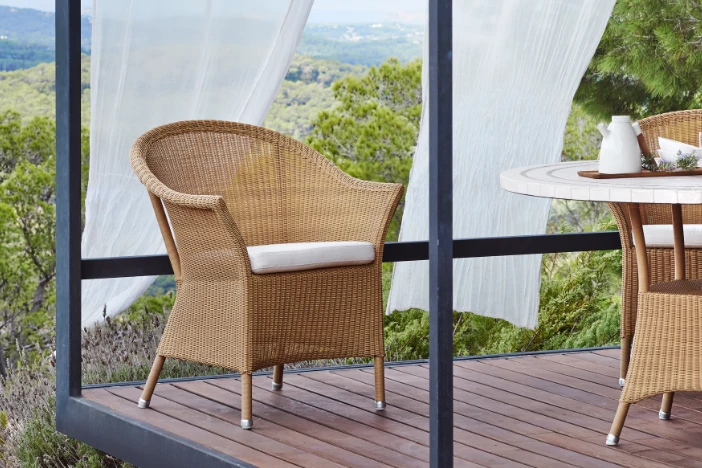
point(666, 405)
point(156, 368)
point(618, 424)
point(379, 364)
point(624, 362)
point(277, 377)
point(246, 410)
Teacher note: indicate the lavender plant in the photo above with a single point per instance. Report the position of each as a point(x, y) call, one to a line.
point(686, 162)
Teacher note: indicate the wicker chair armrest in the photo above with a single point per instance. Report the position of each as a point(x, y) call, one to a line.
point(209, 243)
point(619, 211)
point(371, 208)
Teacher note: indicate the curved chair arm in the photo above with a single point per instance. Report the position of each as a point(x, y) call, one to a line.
point(623, 223)
point(352, 209)
point(209, 243)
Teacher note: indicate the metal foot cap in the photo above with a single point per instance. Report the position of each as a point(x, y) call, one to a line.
point(277, 386)
point(143, 404)
point(663, 415)
point(380, 405)
point(612, 440)
point(621, 382)
point(247, 424)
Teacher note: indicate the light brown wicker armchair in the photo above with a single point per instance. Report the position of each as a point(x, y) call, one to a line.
point(683, 126)
point(228, 186)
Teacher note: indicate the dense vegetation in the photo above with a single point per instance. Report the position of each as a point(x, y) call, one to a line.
point(361, 110)
point(305, 91)
point(18, 55)
point(648, 61)
point(31, 92)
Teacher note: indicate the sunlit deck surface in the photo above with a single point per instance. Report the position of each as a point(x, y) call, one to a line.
point(547, 410)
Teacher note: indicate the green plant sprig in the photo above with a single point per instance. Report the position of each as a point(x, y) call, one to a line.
point(685, 162)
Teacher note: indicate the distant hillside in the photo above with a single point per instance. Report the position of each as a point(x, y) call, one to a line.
point(35, 27)
point(362, 44)
point(357, 44)
point(305, 91)
point(32, 92)
point(19, 55)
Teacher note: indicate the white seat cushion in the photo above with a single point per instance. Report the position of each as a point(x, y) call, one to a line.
point(661, 235)
point(277, 258)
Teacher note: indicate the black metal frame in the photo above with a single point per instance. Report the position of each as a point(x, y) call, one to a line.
point(145, 445)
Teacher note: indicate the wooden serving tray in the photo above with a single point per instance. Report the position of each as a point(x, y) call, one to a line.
point(644, 173)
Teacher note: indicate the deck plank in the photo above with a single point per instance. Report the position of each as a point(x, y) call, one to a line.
point(550, 410)
point(208, 439)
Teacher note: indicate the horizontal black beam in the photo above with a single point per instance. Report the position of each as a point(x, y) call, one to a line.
point(136, 442)
point(122, 267)
point(152, 265)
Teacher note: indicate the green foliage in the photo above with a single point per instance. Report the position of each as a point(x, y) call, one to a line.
point(27, 214)
point(163, 285)
point(305, 91)
point(579, 308)
point(40, 445)
point(17, 55)
point(373, 131)
point(31, 92)
point(648, 60)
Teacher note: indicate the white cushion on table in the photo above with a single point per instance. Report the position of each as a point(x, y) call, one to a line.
point(277, 258)
point(661, 235)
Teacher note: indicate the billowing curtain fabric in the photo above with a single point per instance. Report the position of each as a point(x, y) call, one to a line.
point(159, 61)
point(517, 65)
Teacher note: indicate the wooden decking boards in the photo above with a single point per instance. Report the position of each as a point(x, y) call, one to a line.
point(550, 410)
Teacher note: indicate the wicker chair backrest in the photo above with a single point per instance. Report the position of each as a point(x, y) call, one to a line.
point(276, 189)
point(684, 126)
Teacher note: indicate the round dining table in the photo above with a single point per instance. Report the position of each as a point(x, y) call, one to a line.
point(561, 180)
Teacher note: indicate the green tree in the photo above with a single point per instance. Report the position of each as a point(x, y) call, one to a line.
point(27, 217)
point(648, 60)
point(372, 133)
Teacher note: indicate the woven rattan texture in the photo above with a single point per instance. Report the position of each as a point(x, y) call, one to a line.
point(667, 351)
point(683, 126)
point(226, 186)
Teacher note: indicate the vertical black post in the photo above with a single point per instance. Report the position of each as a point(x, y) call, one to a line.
point(68, 203)
point(440, 233)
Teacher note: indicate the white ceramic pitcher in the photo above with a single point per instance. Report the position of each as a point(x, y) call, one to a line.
point(620, 152)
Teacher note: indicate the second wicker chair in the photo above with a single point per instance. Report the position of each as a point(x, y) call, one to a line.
point(228, 187)
point(683, 126)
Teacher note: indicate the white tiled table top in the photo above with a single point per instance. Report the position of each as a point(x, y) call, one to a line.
point(561, 180)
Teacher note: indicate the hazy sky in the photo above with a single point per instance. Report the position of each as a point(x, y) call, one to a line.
point(323, 11)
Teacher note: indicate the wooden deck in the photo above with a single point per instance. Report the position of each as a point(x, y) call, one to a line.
point(549, 410)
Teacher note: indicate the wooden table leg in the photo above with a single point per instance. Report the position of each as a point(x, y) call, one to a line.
point(678, 241)
point(679, 255)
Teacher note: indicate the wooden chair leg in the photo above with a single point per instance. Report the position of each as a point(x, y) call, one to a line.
point(277, 377)
point(618, 424)
point(246, 410)
point(624, 362)
point(156, 368)
point(379, 371)
point(666, 405)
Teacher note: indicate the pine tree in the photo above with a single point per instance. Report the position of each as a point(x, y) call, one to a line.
point(649, 60)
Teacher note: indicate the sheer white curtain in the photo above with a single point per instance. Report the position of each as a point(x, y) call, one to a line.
point(159, 61)
point(517, 65)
